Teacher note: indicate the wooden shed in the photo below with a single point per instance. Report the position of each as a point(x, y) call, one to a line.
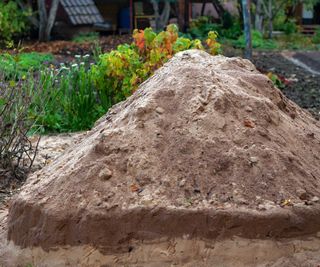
point(117, 15)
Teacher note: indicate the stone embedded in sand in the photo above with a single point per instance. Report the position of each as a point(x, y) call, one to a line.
point(187, 154)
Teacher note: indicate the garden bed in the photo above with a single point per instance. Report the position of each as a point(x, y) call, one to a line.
point(69, 48)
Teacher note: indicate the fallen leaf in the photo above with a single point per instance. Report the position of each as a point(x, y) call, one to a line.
point(249, 123)
point(286, 202)
point(134, 188)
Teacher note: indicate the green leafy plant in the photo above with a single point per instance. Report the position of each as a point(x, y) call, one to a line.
point(13, 21)
point(290, 27)
point(200, 27)
point(73, 102)
point(230, 27)
point(257, 41)
point(316, 37)
point(296, 41)
point(233, 32)
point(278, 81)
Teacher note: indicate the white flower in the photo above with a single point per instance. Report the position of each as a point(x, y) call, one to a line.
point(75, 65)
point(77, 56)
point(86, 56)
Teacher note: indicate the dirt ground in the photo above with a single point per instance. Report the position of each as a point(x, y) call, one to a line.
point(303, 86)
point(311, 59)
point(67, 48)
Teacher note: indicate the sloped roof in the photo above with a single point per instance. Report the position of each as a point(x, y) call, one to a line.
point(81, 12)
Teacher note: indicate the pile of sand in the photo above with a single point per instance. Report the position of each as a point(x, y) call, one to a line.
point(206, 148)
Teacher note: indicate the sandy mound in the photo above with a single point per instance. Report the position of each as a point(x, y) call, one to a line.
point(205, 148)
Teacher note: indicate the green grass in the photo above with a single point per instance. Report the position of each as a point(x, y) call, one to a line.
point(17, 66)
point(86, 37)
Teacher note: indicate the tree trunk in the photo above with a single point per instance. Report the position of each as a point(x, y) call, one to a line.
point(203, 7)
point(247, 28)
point(258, 23)
point(156, 13)
point(43, 19)
point(45, 23)
point(52, 18)
point(218, 7)
point(163, 18)
point(181, 16)
point(270, 19)
point(239, 7)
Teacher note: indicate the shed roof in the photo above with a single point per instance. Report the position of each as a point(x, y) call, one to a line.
point(81, 12)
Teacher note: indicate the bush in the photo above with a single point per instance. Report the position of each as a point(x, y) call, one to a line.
point(13, 21)
point(290, 27)
point(200, 27)
point(17, 152)
point(257, 41)
point(233, 32)
point(118, 73)
point(316, 37)
point(79, 94)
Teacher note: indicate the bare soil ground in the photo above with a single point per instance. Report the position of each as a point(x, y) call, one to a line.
point(311, 59)
point(68, 48)
point(303, 86)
